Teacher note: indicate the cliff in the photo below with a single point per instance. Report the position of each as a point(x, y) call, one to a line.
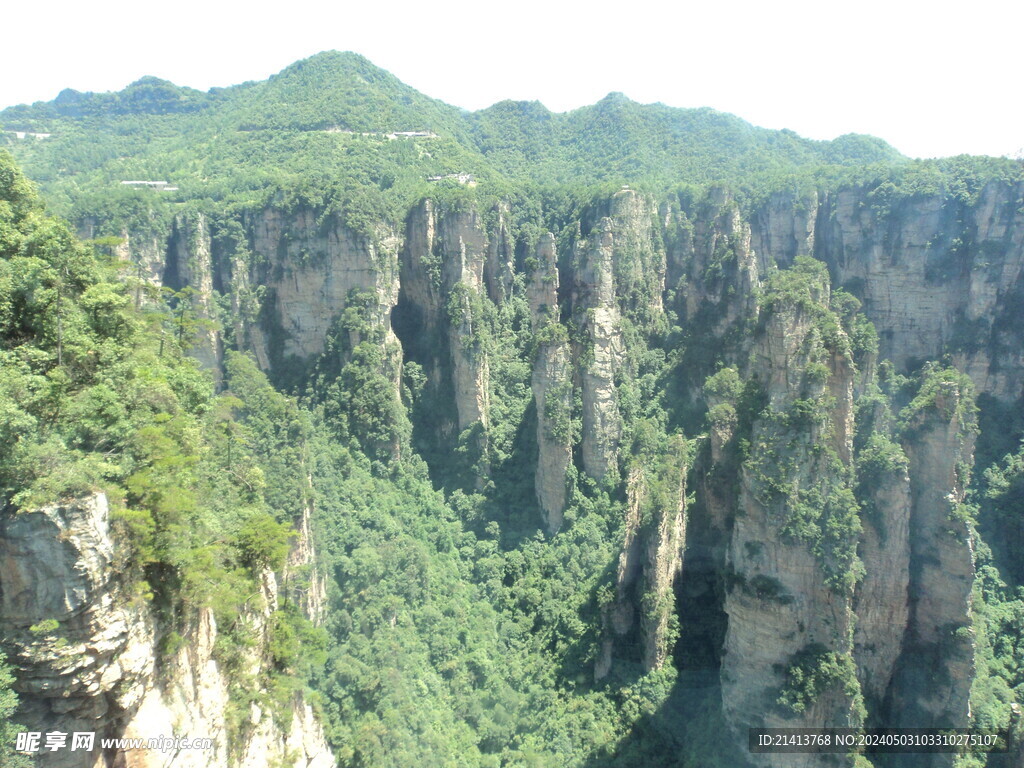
point(629, 306)
point(600, 350)
point(936, 273)
point(931, 683)
point(552, 386)
point(92, 654)
point(792, 555)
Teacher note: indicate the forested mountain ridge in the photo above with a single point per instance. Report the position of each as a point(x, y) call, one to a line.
point(325, 119)
point(659, 428)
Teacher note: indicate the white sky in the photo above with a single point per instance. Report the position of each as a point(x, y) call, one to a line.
point(932, 78)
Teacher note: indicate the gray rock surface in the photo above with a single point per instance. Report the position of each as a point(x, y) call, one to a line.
point(84, 642)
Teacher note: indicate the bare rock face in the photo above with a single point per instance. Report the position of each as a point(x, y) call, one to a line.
point(552, 387)
point(882, 598)
point(442, 284)
point(712, 251)
point(296, 278)
point(463, 253)
point(620, 618)
point(594, 299)
point(85, 645)
point(639, 617)
point(194, 702)
point(663, 558)
point(75, 635)
point(421, 283)
point(311, 266)
point(783, 229)
point(932, 681)
point(500, 265)
point(542, 290)
point(936, 273)
point(552, 392)
point(189, 266)
point(638, 258)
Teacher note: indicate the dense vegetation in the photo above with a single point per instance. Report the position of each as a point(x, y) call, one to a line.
point(457, 632)
point(97, 393)
point(317, 133)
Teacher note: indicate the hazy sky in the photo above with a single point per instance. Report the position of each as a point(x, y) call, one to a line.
point(931, 78)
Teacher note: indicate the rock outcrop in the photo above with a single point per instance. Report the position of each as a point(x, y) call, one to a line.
point(638, 256)
point(552, 386)
point(189, 269)
point(636, 623)
point(716, 269)
point(792, 557)
point(85, 645)
point(932, 681)
point(882, 598)
point(499, 269)
point(441, 303)
point(311, 266)
point(936, 273)
point(784, 228)
point(875, 586)
point(600, 353)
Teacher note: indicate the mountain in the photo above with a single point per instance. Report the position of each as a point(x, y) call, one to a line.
point(620, 139)
point(330, 115)
point(507, 437)
point(344, 90)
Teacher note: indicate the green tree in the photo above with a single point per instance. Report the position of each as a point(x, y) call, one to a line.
point(8, 728)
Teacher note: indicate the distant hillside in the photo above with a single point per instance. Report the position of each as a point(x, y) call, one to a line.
point(618, 138)
point(329, 123)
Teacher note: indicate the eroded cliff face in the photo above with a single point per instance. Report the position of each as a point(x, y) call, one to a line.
point(85, 643)
point(638, 619)
point(870, 582)
point(791, 602)
point(441, 324)
point(784, 228)
point(931, 683)
point(882, 598)
point(500, 267)
point(190, 267)
point(311, 266)
point(935, 274)
point(551, 383)
point(600, 350)
point(463, 249)
point(639, 262)
point(882, 601)
point(664, 550)
point(711, 265)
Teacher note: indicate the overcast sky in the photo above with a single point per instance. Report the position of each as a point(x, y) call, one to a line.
point(932, 78)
